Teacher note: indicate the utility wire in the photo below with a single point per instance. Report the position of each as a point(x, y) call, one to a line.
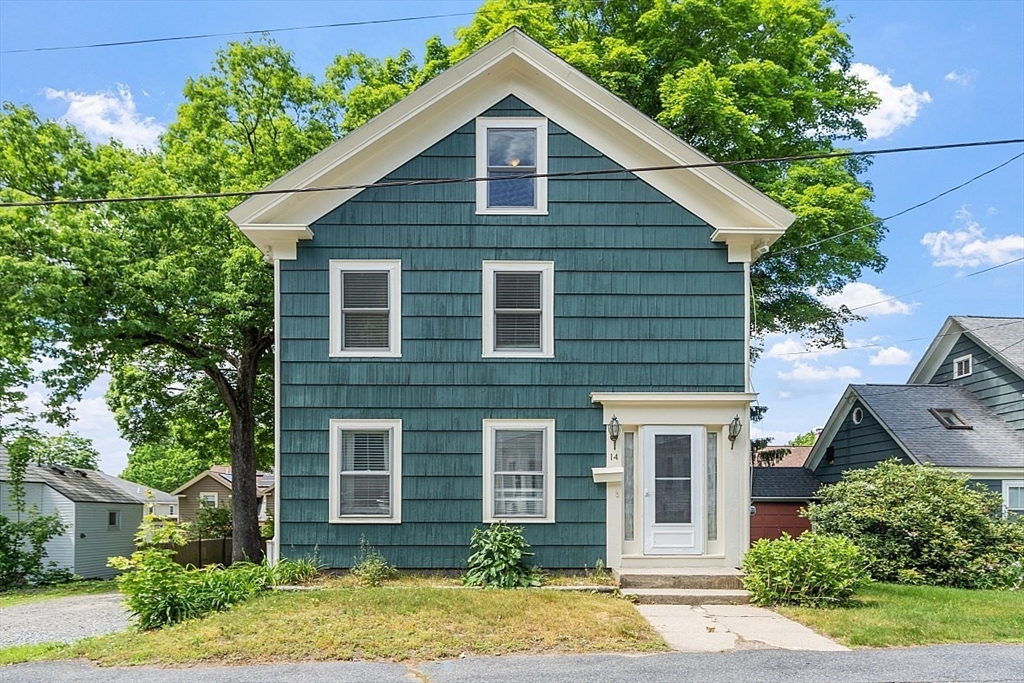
point(563, 174)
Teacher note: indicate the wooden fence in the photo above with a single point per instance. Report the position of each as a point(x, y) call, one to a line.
point(207, 551)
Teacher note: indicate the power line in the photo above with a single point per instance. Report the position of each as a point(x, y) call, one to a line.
point(563, 174)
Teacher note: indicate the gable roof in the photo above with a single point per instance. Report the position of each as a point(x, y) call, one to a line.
point(796, 457)
point(783, 483)
point(903, 412)
point(144, 494)
point(1001, 337)
point(513, 64)
point(79, 486)
point(214, 476)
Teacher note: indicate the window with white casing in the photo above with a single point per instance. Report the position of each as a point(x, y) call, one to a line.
point(518, 309)
point(366, 308)
point(1013, 497)
point(962, 366)
point(208, 500)
point(506, 149)
point(519, 471)
point(366, 471)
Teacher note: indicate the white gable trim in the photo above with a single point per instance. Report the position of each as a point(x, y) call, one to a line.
point(202, 475)
point(835, 421)
point(941, 346)
point(511, 65)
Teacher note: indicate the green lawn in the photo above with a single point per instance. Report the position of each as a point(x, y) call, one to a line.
point(390, 623)
point(886, 615)
point(27, 595)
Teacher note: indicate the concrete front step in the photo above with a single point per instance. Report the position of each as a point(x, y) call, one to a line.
point(708, 578)
point(690, 596)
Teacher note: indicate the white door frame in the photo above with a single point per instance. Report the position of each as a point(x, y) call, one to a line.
point(674, 538)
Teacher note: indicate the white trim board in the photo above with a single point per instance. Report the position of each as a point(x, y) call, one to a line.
point(516, 65)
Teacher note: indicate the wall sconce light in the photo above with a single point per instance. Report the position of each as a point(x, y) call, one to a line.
point(613, 432)
point(734, 431)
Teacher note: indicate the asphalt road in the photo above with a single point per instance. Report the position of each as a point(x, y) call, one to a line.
point(944, 663)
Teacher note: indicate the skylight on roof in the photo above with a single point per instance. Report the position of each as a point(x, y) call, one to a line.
point(949, 418)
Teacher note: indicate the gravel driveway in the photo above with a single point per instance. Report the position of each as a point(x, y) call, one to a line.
point(62, 619)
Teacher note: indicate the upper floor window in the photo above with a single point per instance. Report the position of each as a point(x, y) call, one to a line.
point(518, 309)
point(962, 366)
point(366, 471)
point(366, 308)
point(519, 468)
point(505, 149)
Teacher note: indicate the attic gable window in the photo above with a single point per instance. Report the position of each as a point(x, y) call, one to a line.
point(949, 418)
point(366, 303)
point(507, 148)
point(962, 366)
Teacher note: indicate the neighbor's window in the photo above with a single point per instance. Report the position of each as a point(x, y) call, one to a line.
point(962, 366)
point(366, 471)
point(949, 418)
point(113, 519)
point(366, 308)
point(1013, 498)
point(518, 308)
point(172, 510)
point(505, 150)
point(519, 469)
point(208, 500)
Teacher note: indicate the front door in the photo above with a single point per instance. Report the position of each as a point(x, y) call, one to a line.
point(673, 490)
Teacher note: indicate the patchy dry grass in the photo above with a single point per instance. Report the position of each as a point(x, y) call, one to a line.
point(27, 595)
point(886, 615)
point(390, 623)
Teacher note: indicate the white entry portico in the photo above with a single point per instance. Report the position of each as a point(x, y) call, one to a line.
point(677, 487)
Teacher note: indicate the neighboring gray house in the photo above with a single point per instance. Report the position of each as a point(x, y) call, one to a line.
point(962, 409)
point(99, 517)
point(154, 501)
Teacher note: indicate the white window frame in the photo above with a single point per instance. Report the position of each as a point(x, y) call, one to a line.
point(547, 302)
point(483, 124)
point(492, 426)
point(1007, 485)
point(172, 510)
point(970, 366)
point(394, 270)
point(216, 499)
point(337, 427)
point(117, 516)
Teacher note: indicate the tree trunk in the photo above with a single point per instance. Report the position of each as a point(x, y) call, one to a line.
point(245, 538)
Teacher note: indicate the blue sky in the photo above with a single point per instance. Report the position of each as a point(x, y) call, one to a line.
point(946, 72)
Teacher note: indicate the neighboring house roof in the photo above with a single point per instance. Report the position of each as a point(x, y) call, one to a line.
point(903, 411)
point(214, 476)
point(1001, 337)
point(144, 494)
point(513, 64)
point(783, 483)
point(796, 457)
point(79, 486)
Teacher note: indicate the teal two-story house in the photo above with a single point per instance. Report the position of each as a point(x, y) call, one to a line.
point(568, 353)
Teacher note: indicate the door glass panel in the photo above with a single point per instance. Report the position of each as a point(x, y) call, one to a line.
point(627, 485)
point(712, 493)
point(672, 481)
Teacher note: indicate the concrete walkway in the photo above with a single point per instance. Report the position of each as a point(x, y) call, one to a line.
point(718, 628)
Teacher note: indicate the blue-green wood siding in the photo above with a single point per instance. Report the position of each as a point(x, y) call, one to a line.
point(858, 446)
point(644, 301)
point(996, 385)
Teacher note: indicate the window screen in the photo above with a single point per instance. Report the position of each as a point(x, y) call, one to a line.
point(364, 310)
point(519, 473)
point(517, 310)
point(366, 472)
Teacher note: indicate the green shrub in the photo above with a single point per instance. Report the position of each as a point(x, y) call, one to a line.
point(22, 552)
point(295, 572)
point(499, 559)
point(370, 567)
point(923, 525)
point(810, 570)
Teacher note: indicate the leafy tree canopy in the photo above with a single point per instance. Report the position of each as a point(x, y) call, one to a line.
point(805, 439)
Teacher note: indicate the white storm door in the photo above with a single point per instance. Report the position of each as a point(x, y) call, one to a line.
point(673, 490)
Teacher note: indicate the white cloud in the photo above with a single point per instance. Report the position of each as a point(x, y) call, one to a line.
point(785, 394)
point(899, 105)
point(794, 350)
point(892, 355)
point(868, 300)
point(968, 248)
point(103, 115)
point(961, 77)
point(806, 373)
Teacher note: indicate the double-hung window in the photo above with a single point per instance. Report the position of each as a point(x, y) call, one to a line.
point(519, 470)
point(518, 309)
point(366, 308)
point(366, 471)
point(962, 366)
point(208, 500)
point(1013, 498)
point(506, 150)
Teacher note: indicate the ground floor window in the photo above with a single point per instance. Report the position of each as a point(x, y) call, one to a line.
point(1013, 497)
point(519, 469)
point(365, 471)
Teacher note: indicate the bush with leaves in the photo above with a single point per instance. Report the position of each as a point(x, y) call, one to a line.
point(499, 559)
point(811, 570)
point(23, 552)
point(923, 525)
point(213, 522)
point(370, 567)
